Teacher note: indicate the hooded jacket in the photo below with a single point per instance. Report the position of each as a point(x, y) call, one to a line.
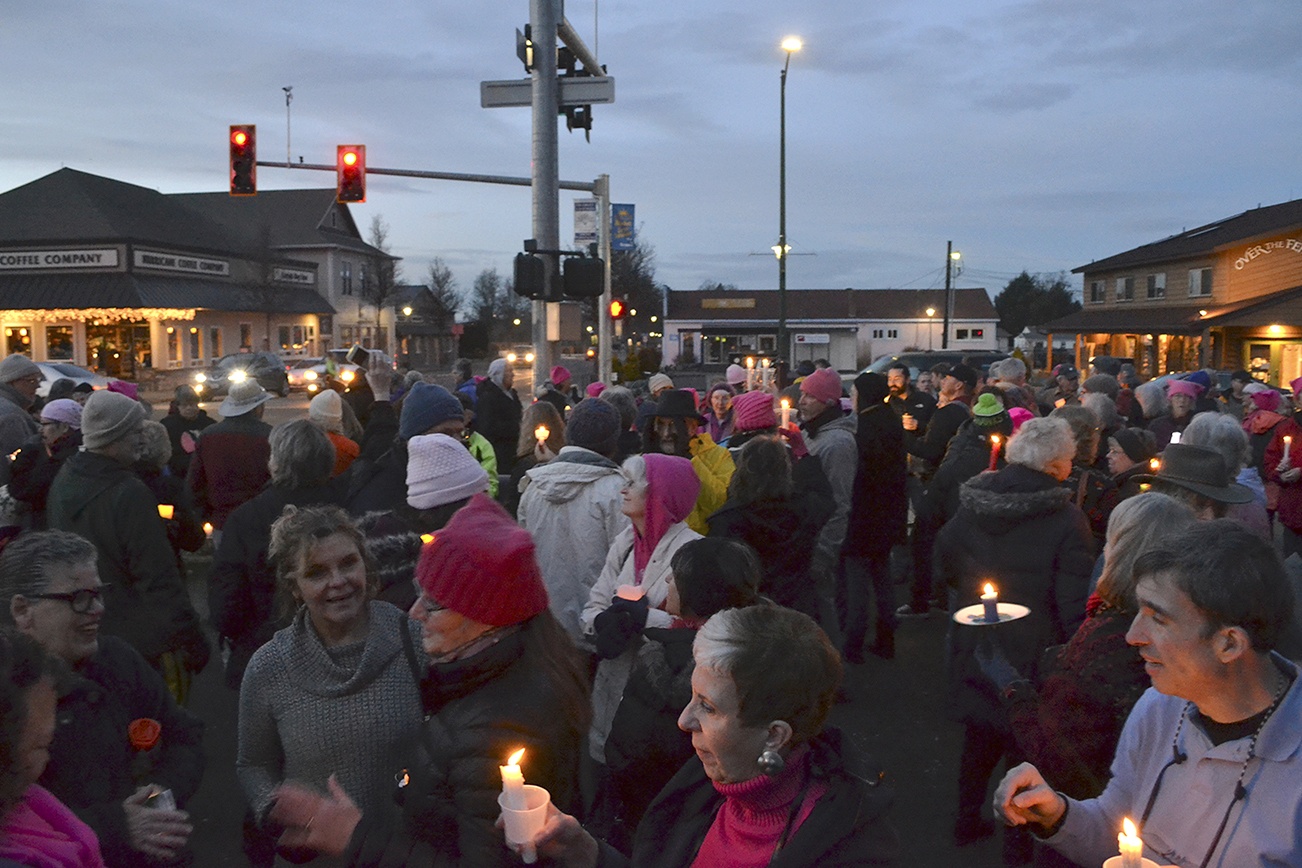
point(1019, 530)
point(146, 603)
point(714, 468)
point(572, 506)
point(848, 825)
point(831, 437)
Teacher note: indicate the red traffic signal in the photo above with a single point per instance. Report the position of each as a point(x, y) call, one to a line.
point(244, 162)
point(350, 173)
point(617, 308)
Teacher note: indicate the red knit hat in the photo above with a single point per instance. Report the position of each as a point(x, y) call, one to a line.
point(481, 565)
point(752, 411)
point(822, 385)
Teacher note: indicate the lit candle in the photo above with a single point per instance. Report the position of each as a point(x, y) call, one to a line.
point(1061, 402)
point(207, 528)
point(1175, 438)
point(1132, 847)
point(632, 593)
point(786, 412)
point(750, 373)
point(1154, 464)
point(426, 538)
point(513, 782)
point(766, 374)
point(1288, 443)
point(990, 600)
point(541, 433)
point(994, 451)
point(166, 510)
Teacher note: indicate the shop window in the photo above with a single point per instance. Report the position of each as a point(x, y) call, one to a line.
point(346, 277)
point(768, 344)
point(246, 337)
point(969, 334)
point(215, 342)
point(173, 347)
point(1200, 282)
point(1125, 289)
point(282, 333)
point(58, 343)
point(18, 340)
point(196, 351)
point(1156, 286)
point(1098, 291)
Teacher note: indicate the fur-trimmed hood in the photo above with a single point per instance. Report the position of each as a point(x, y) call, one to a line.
point(998, 502)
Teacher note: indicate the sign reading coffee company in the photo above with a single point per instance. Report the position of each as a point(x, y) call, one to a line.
point(43, 260)
point(175, 262)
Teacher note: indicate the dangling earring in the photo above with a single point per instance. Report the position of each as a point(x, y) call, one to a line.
point(771, 762)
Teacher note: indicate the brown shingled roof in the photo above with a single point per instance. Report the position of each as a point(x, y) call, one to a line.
point(813, 304)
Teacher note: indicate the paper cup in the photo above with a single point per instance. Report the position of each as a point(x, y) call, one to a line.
point(523, 826)
point(632, 593)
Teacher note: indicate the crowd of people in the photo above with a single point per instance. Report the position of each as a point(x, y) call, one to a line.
point(655, 597)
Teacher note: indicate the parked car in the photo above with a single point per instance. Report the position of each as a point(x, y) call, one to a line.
point(521, 356)
point(266, 368)
point(344, 373)
point(51, 371)
point(925, 361)
point(304, 375)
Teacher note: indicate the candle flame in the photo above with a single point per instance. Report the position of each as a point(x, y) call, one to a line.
point(542, 432)
point(514, 759)
point(1288, 438)
point(426, 538)
point(994, 438)
point(786, 405)
point(207, 528)
point(988, 590)
point(1154, 464)
point(1129, 828)
point(750, 362)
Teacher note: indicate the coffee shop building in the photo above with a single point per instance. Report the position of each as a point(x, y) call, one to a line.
point(1224, 295)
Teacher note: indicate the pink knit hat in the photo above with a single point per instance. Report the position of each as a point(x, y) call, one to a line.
point(822, 385)
point(753, 411)
point(1019, 415)
point(1268, 400)
point(481, 565)
point(560, 374)
point(594, 390)
point(1183, 387)
point(1296, 385)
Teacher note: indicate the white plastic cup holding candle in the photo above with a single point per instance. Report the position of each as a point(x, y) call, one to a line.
point(1175, 438)
point(166, 511)
point(524, 808)
point(632, 593)
point(786, 412)
point(990, 602)
point(541, 433)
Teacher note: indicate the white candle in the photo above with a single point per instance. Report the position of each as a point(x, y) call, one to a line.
point(1132, 848)
point(541, 433)
point(207, 528)
point(1288, 443)
point(1175, 438)
point(513, 782)
point(786, 412)
point(750, 373)
point(990, 600)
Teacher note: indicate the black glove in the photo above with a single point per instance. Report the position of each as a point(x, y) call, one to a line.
point(193, 648)
point(618, 626)
point(995, 666)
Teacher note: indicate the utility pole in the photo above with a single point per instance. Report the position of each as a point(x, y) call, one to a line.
point(949, 293)
point(289, 97)
point(543, 23)
point(605, 348)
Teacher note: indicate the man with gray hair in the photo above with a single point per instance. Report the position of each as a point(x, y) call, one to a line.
point(498, 412)
point(19, 378)
point(97, 495)
point(1009, 376)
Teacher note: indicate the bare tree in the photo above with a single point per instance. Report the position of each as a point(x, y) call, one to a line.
point(380, 278)
point(443, 286)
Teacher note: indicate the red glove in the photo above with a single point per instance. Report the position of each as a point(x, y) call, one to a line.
point(795, 440)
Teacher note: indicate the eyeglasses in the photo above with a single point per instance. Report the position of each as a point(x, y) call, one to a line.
point(430, 607)
point(80, 600)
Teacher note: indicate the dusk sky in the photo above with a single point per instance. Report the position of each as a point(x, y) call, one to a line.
point(1036, 135)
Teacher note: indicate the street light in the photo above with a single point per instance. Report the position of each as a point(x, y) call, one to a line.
point(952, 256)
point(931, 312)
point(790, 45)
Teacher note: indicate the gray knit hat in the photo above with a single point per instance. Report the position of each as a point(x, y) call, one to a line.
point(593, 424)
point(16, 367)
point(108, 417)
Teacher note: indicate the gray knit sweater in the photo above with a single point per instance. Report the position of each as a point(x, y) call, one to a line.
point(307, 711)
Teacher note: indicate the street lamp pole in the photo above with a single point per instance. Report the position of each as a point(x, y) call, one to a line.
point(931, 312)
point(790, 45)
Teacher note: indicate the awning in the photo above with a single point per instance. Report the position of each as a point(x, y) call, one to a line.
point(122, 290)
point(1186, 319)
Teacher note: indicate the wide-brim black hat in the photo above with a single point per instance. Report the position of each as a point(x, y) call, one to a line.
point(1201, 471)
point(677, 404)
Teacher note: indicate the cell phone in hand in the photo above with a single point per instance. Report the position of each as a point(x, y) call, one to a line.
point(358, 355)
point(162, 800)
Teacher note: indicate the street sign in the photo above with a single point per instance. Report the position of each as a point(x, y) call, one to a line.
point(585, 222)
point(575, 91)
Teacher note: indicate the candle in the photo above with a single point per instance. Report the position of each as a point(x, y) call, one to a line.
point(990, 600)
point(1061, 402)
point(750, 373)
point(786, 412)
point(1288, 442)
point(1131, 846)
point(426, 538)
point(166, 510)
point(207, 528)
point(766, 374)
point(632, 593)
point(1154, 464)
point(1175, 438)
point(994, 451)
point(541, 433)
point(513, 782)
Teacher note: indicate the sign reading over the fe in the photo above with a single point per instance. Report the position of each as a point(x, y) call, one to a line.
point(622, 234)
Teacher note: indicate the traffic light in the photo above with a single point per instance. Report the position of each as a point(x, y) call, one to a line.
point(583, 277)
point(244, 161)
point(529, 276)
point(617, 308)
point(350, 173)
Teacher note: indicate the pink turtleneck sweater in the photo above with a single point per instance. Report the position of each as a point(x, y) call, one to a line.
point(746, 830)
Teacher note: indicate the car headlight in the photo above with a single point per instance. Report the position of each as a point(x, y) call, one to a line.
point(310, 376)
point(238, 375)
point(347, 376)
point(528, 357)
point(201, 378)
point(198, 388)
point(312, 388)
point(510, 357)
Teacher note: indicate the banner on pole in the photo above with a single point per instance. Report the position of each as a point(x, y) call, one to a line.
point(621, 227)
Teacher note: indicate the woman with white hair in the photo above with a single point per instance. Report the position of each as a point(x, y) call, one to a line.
point(497, 413)
point(1017, 529)
point(1223, 434)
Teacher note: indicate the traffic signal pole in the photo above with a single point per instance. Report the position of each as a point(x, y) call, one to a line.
point(605, 341)
point(544, 20)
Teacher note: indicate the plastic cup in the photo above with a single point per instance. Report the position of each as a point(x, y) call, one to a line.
point(633, 593)
point(523, 826)
point(1115, 862)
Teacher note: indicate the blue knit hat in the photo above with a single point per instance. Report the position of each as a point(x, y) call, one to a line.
point(425, 406)
point(593, 424)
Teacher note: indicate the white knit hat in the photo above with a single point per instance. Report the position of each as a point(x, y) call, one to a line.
point(441, 470)
point(327, 410)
